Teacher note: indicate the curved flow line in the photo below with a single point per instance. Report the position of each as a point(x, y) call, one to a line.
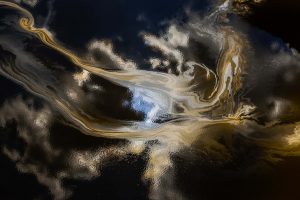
point(228, 73)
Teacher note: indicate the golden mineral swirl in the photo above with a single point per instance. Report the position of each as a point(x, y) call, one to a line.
point(228, 82)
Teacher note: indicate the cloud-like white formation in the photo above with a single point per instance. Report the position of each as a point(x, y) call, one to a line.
point(155, 62)
point(81, 77)
point(168, 45)
point(106, 48)
point(176, 38)
point(34, 128)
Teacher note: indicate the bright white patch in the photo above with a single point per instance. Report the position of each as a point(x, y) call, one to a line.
point(165, 48)
point(31, 3)
point(82, 77)
point(107, 49)
point(155, 62)
point(72, 94)
point(137, 146)
point(166, 63)
point(96, 87)
point(167, 44)
point(154, 105)
point(280, 106)
point(42, 120)
point(176, 38)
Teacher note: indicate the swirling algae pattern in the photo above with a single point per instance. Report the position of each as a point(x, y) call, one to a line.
point(227, 83)
point(194, 114)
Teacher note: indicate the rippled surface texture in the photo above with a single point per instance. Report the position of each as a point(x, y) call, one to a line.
point(148, 100)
